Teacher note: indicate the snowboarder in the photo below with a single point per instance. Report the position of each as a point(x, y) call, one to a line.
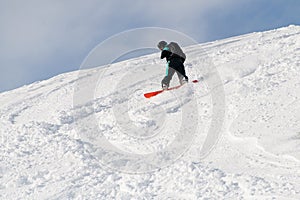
point(175, 59)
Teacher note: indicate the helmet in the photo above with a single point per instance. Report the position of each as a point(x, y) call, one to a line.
point(162, 44)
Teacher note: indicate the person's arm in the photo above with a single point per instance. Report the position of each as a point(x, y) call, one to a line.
point(165, 54)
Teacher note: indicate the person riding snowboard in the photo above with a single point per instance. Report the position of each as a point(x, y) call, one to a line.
point(175, 59)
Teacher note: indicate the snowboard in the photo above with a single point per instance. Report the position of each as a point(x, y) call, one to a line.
point(152, 94)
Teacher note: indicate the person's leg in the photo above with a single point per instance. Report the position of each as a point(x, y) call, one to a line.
point(181, 75)
point(181, 78)
point(166, 81)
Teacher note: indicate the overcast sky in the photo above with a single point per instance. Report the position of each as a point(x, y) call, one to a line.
point(40, 39)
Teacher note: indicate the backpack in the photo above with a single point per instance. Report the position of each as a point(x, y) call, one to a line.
point(176, 50)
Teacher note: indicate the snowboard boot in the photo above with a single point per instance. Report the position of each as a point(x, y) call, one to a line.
point(183, 81)
point(164, 86)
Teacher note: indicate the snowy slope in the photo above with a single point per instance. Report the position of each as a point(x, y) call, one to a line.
point(54, 133)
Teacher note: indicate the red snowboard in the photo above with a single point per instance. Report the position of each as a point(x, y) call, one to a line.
point(152, 94)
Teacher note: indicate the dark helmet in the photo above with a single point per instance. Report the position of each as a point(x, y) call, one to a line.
point(162, 44)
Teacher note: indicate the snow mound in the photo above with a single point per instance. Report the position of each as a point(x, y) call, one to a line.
point(60, 142)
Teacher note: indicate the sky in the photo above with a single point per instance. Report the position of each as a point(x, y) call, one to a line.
point(41, 39)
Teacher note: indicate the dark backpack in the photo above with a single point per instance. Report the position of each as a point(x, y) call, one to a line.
point(176, 50)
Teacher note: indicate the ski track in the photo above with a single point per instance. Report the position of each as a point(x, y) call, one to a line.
point(257, 156)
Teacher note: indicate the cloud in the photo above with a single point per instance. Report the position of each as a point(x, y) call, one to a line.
point(45, 38)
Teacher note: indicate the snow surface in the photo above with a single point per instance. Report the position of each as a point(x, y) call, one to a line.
point(52, 149)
